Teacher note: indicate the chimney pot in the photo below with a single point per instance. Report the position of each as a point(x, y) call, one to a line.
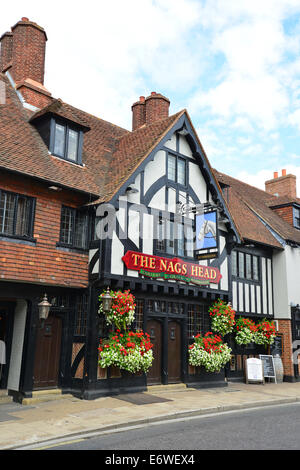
point(275, 174)
point(24, 18)
point(142, 98)
point(283, 172)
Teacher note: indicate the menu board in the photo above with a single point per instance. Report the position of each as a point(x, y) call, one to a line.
point(269, 367)
point(254, 370)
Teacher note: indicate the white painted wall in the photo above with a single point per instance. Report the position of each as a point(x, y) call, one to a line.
point(17, 346)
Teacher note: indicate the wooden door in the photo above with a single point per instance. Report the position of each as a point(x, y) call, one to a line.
point(47, 355)
point(174, 352)
point(154, 329)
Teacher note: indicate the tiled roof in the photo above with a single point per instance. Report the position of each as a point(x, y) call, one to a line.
point(250, 209)
point(110, 154)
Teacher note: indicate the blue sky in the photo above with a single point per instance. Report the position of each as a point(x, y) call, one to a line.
point(234, 65)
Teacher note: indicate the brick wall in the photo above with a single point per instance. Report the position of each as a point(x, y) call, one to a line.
point(285, 329)
point(43, 263)
point(286, 213)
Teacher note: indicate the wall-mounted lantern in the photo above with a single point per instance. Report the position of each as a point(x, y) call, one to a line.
point(44, 309)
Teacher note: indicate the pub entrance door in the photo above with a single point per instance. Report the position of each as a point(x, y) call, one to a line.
point(47, 355)
point(166, 340)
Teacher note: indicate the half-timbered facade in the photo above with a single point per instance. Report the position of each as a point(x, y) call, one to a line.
point(86, 205)
point(152, 220)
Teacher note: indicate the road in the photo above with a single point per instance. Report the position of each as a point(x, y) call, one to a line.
point(268, 428)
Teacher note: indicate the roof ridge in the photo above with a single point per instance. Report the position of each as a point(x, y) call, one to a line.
point(244, 183)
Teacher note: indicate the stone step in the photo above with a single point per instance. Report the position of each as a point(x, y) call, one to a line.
point(4, 397)
point(166, 388)
point(40, 396)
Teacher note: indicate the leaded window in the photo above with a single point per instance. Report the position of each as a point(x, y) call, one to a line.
point(198, 320)
point(74, 228)
point(16, 214)
point(177, 169)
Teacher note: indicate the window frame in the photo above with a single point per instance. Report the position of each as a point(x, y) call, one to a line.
point(296, 219)
point(236, 273)
point(161, 246)
point(31, 216)
point(177, 158)
point(67, 126)
point(72, 245)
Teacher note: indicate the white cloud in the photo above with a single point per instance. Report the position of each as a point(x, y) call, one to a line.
point(259, 178)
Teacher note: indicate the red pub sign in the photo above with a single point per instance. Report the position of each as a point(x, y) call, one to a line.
point(166, 268)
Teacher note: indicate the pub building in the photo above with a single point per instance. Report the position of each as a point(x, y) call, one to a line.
point(86, 205)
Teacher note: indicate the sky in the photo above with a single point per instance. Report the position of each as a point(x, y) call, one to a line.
point(234, 65)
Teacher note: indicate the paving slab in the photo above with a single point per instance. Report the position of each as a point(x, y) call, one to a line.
point(42, 421)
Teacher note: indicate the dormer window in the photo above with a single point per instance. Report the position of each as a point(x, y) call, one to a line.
point(61, 130)
point(297, 217)
point(66, 142)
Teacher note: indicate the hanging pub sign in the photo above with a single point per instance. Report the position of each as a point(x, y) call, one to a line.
point(206, 236)
point(157, 267)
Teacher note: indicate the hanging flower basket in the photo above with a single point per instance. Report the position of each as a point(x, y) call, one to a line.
point(122, 309)
point(245, 331)
point(265, 333)
point(222, 317)
point(130, 351)
point(210, 352)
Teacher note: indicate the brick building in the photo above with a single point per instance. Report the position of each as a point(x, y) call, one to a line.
point(59, 167)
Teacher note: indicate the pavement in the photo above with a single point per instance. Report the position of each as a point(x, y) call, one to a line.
point(44, 420)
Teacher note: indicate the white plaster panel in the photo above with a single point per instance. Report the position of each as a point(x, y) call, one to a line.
point(264, 286)
point(197, 181)
point(224, 273)
point(258, 299)
point(158, 200)
point(147, 234)
point(241, 297)
point(155, 169)
point(134, 226)
point(171, 143)
point(117, 249)
point(234, 295)
point(184, 147)
point(252, 298)
point(270, 287)
point(247, 301)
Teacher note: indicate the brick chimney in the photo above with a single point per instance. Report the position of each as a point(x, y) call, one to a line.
point(6, 42)
point(284, 185)
point(23, 56)
point(138, 113)
point(146, 111)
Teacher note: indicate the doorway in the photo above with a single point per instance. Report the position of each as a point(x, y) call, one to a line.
point(47, 354)
point(166, 340)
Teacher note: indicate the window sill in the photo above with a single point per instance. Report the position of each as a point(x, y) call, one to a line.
point(63, 159)
point(18, 239)
point(72, 249)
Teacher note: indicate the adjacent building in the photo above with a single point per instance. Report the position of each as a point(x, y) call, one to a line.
point(85, 204)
